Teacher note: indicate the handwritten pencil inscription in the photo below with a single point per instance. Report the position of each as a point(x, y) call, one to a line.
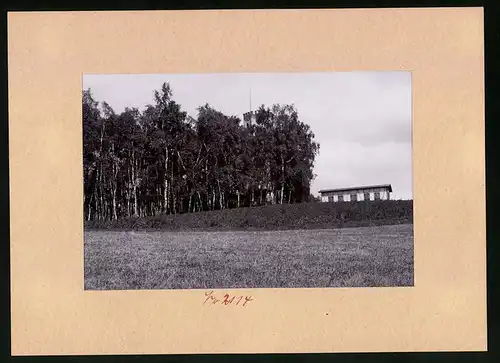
point(212, 299)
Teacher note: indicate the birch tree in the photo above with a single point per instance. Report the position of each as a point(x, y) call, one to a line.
point(162, 161)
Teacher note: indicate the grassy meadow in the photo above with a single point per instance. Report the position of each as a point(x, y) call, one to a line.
point(346, 257)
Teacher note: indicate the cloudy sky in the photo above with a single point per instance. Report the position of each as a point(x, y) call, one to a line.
point(362, 120)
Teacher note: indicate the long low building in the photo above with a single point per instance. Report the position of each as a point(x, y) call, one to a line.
point(352, 194)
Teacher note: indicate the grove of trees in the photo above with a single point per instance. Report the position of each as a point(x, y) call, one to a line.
point(162, 161)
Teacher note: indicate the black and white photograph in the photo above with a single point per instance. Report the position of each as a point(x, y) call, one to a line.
point(247, 180)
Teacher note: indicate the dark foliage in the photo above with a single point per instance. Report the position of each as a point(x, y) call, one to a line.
point(272, 217)
point(160, 161)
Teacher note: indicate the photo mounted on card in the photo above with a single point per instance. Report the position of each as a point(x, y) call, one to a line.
point(217, 181)
point(316, 176)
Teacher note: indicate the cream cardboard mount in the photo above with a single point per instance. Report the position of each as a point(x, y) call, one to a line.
point(52, 314)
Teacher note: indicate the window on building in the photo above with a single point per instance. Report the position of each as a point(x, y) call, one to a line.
point(354, 197)
point(377, 195)
point(367, 196)
point(330, 198)
point(341, 198)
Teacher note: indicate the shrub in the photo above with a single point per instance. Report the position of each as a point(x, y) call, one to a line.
point(288, 216)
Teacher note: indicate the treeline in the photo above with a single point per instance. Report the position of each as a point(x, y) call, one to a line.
point(161, 161)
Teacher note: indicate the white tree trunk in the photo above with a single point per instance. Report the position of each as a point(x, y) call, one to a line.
point(283, 180)
point(201, 201)
point(134, 183)
point(115, 216)
point(213, 199)
point(174, 195)
point(165, 191)
point(220, 195)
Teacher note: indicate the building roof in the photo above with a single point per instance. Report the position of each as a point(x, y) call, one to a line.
point(349, 189)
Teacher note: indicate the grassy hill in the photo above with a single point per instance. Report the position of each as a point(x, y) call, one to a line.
point(273, 217)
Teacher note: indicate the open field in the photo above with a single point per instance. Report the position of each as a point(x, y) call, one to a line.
point(347, 257)
point(273, 217)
